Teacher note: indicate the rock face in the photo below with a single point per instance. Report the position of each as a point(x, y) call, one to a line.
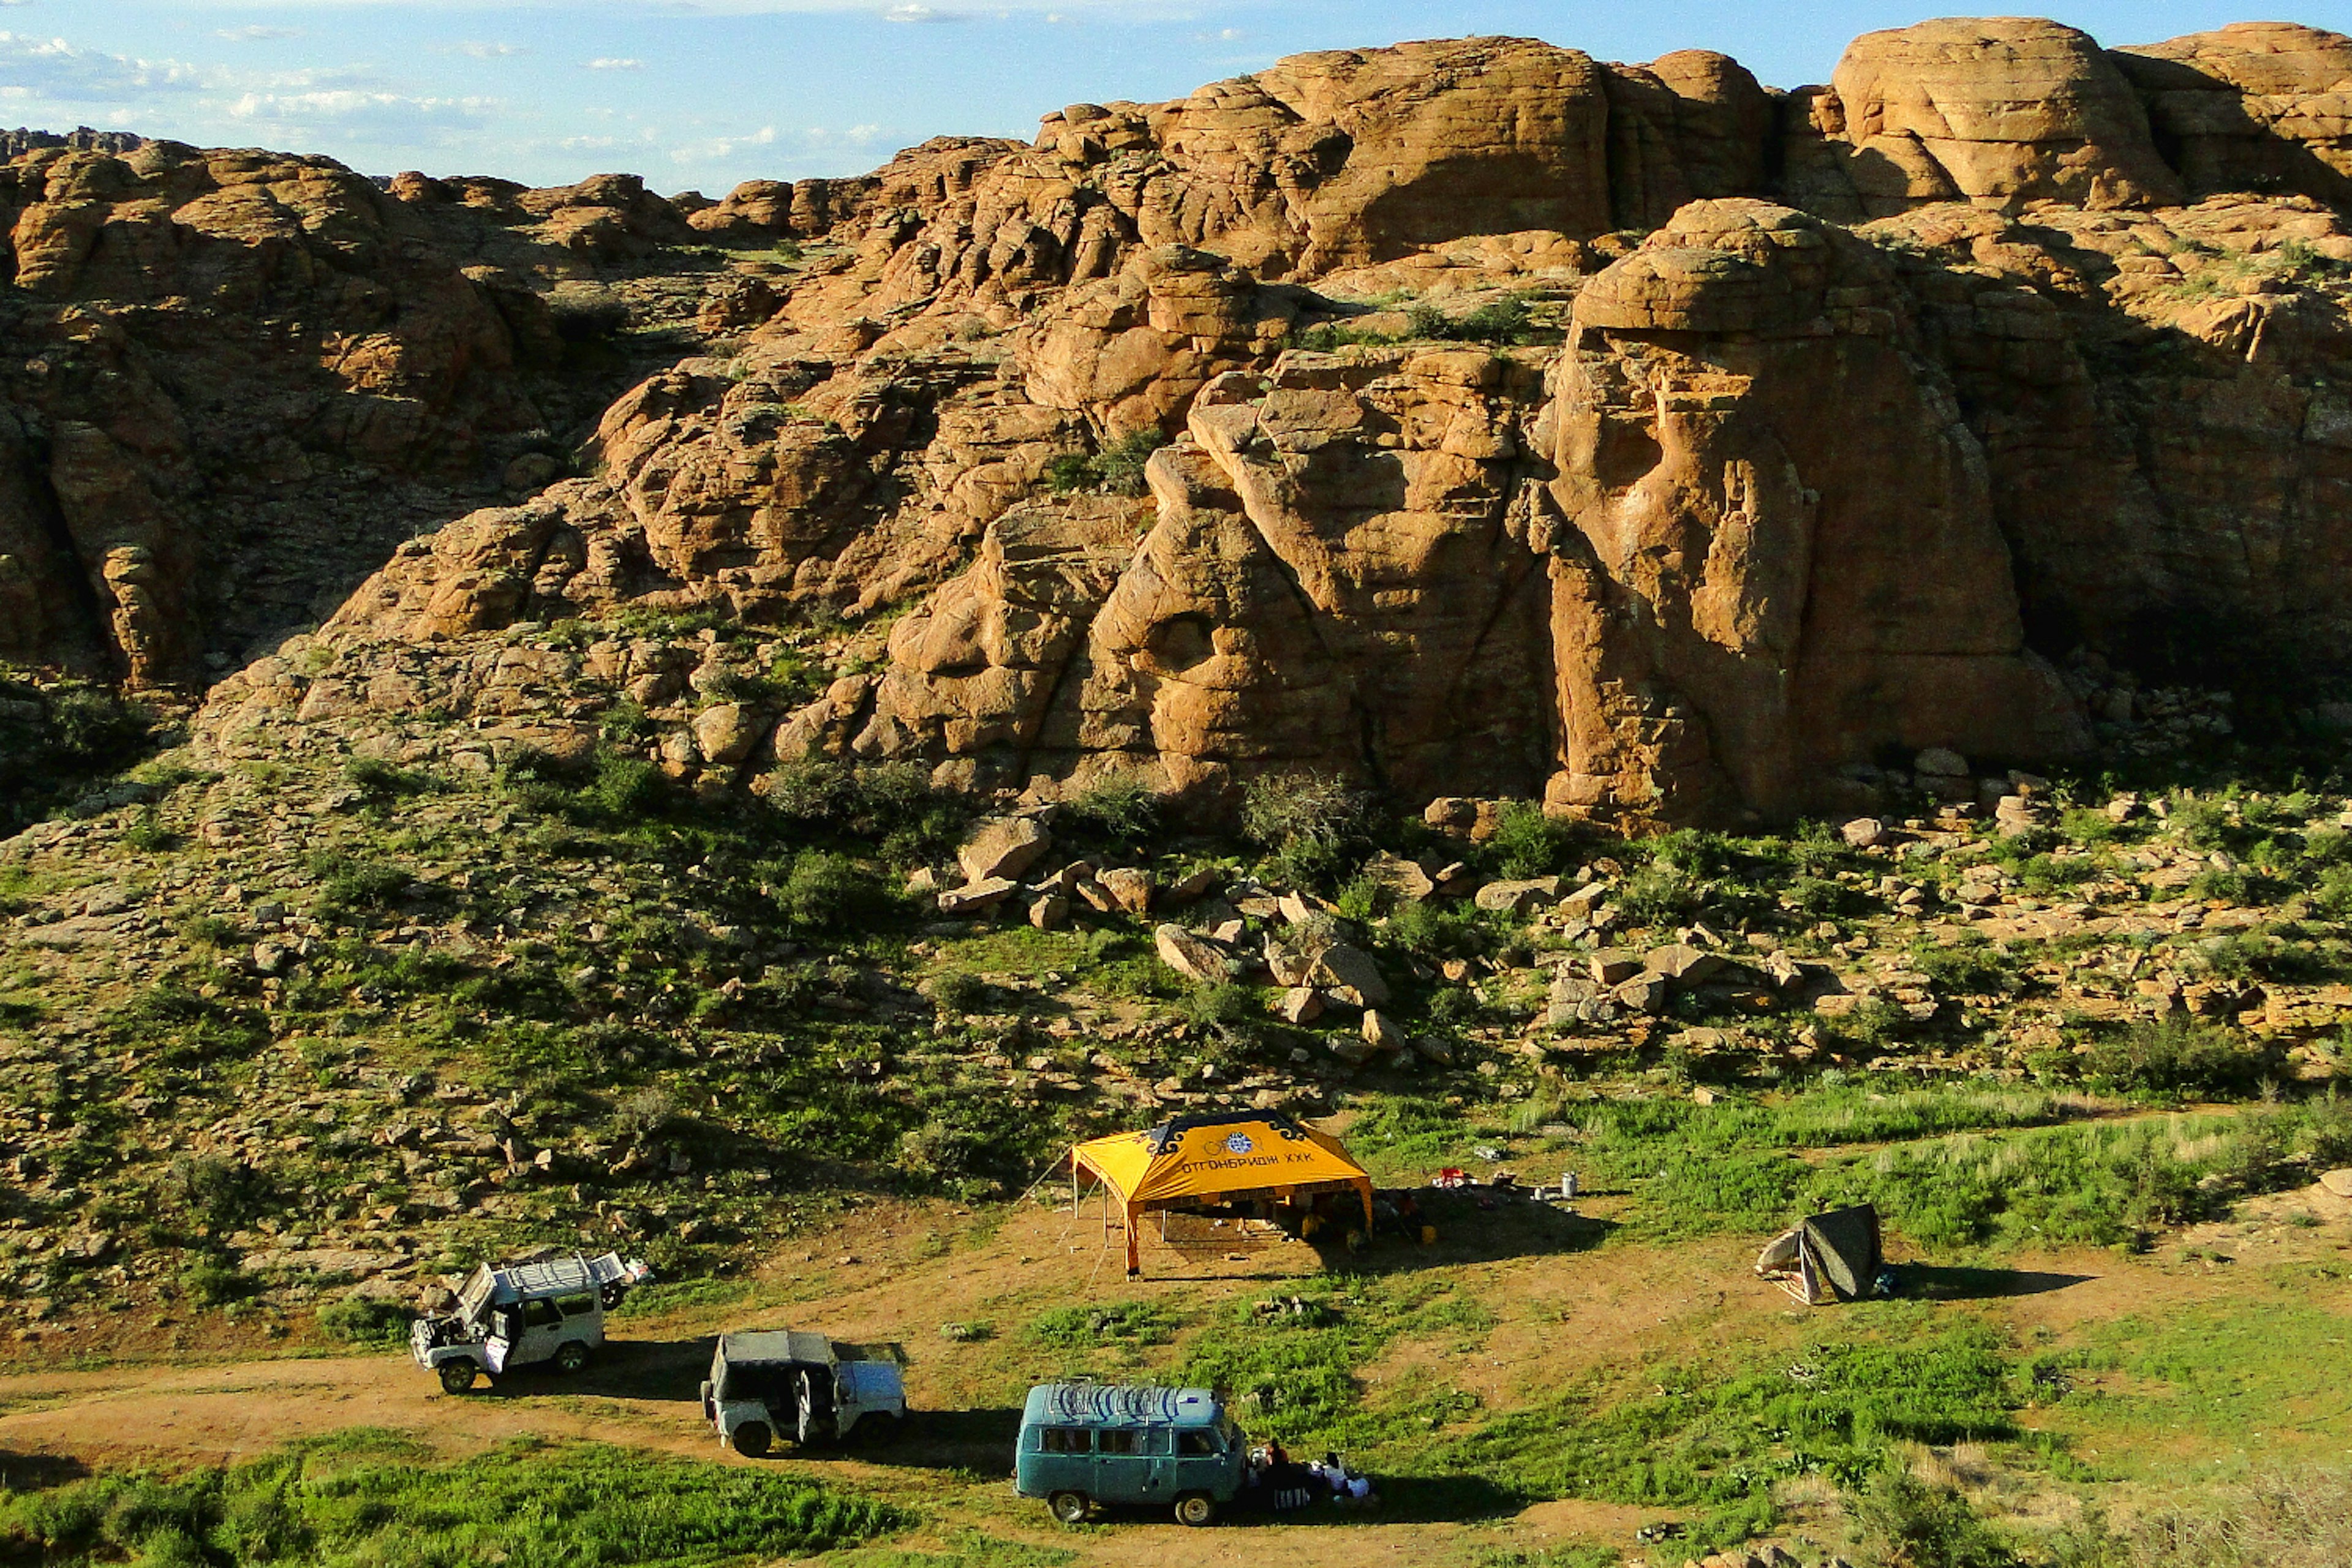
point(2260, 106)
point(1782, 552)
point(1804, 427)
point(2005, 109)
point(236, 381)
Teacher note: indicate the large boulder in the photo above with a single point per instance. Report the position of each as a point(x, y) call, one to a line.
point(2001, 108)
point(2256, 106)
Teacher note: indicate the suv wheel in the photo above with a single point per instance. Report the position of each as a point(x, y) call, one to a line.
point(457, 1376)
point(1070, 1508)
point(570, 1356)
point(1196, 1509)
point(750, 1439)
point(875, 1429)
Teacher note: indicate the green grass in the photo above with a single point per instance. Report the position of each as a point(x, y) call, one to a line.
point(2238, 1378)
point(681, 1295)
point(379, 1499)
point(1117, 1323)
point(1294, 1376)
point(2096, 1185)
point(1963, 1167)
point(965, 1548)
point(1713, 1435)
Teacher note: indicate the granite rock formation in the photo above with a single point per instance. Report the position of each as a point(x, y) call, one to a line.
point(1736, 436)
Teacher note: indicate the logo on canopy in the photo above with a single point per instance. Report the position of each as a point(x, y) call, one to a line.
point(1240, 1144)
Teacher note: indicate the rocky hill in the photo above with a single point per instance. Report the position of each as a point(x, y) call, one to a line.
point(598, 618)
point(1463, 418)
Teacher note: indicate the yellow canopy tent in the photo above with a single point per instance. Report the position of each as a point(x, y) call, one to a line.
point(1237, 1156)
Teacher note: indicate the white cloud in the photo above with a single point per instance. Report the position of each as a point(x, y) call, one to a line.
point(891, 10)
point(489, 51)
point(52, 67)
point(717, 149)
point(349, 112)
point(248, 35)
point(615, 63)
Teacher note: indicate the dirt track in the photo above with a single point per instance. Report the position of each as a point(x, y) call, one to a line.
point(913, 1268)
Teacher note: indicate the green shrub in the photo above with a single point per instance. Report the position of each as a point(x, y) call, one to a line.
point(1225, 1007)
point(1116, 808)
point(893, 807)
point(1967, 965)
point(2048, 873)
point(1661, 894)
point(2177, 1056)
point(148, 835)
point(1281, 809)
point(91, 730)
point(1432, 930)
point(221, 1193)
point(213, 1281)
point(1901, 1521)
point(1116, 469)
point(350, 887)
point(823, 891)
point(364, 1321)
point(966, 1160)
point(379, 781)
point(625, 790)
point(1313, 824)
point(2089, 827)
point(1505, 323)
point(588, 314)
point(956, 991)
point(1529, 842)
point(2332, 895)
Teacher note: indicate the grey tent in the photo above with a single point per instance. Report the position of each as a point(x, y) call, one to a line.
point(1832, 1257)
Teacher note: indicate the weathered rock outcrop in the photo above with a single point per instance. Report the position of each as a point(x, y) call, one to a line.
point(2260, 106)
point(2006, 110)
point(1784, 555)
point(202, 342)
point(1875, 399)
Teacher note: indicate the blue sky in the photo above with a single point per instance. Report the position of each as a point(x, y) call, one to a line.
point(703, 93)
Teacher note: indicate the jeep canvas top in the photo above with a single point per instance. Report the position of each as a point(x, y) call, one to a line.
point(771, 1383)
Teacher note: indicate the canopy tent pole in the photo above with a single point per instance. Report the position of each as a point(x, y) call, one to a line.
point(1134, 1241)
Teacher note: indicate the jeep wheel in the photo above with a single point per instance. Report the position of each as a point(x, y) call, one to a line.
point(874, 1430)
point(750, 1439)
point(457, 1376)
point(570, 1356)
point(1070, 1508)
point(1196, 1509)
